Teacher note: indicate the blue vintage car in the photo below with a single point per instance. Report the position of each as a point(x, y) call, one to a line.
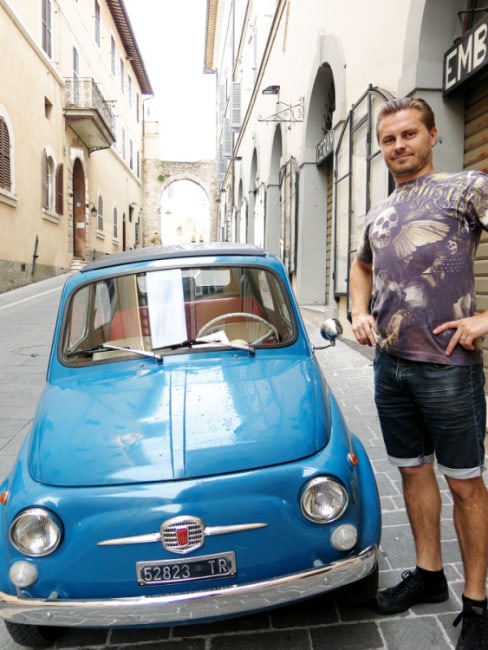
point(188, 461)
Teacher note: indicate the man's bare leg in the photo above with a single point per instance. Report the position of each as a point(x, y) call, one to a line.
point(423, 503)
point(471, 522)
point(427, 584)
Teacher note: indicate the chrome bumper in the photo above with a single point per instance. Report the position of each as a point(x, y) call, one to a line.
point(190, 606)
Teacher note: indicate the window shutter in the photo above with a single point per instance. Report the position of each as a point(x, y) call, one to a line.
point(5, 175)
point(222, 166)
point(100, 214)
point(236, 106)
point(222, 99)
point(59, 190)
point(45, 182)
point(46, 27)
point(227, 139)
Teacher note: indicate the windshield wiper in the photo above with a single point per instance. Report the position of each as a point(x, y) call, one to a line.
point(109, 346)
point(247, 347)
point(187, 343)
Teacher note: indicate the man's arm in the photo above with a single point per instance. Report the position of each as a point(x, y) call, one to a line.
point(360, 287)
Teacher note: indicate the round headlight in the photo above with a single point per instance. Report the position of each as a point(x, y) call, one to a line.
point(35, 532)
point(323, 500)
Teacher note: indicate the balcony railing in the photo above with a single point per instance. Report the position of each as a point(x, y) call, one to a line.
point(88, 113)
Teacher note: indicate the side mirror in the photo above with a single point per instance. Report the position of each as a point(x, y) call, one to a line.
point(330, 330)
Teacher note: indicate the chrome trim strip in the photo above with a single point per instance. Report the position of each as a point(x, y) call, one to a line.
point(237, 528)
point(188, 606)
point(156, 537)
point(135, 539)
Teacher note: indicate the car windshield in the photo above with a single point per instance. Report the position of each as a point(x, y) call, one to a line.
point(165, 311)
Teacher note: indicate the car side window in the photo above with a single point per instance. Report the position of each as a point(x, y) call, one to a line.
point(103, 310)
point(77, 325)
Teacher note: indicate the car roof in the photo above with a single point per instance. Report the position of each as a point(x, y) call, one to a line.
point(152, 253)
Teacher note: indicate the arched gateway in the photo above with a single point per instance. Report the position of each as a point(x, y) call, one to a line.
point(159, 174)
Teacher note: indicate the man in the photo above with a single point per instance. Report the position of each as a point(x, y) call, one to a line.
point(413, 298)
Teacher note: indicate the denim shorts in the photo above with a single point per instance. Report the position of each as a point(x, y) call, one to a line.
point(429, 410)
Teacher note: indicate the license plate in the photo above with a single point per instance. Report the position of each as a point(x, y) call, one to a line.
point(185, 570)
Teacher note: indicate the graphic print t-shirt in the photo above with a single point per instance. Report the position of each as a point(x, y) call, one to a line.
point(422, 241)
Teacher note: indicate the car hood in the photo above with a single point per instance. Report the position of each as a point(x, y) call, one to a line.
point(177, 421)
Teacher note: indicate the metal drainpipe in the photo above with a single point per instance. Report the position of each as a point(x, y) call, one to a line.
point(35, 255)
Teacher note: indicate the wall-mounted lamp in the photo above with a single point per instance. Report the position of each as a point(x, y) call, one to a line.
point(93, 209)
point(271, 90)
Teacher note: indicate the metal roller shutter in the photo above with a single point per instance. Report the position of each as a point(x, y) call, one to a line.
point(476, 157)
point(329, 299)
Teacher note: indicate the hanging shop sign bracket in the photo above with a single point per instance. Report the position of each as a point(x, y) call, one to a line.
point(289, 113)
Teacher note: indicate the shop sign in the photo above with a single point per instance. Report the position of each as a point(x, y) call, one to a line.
point(324, 148)
point(467, 56)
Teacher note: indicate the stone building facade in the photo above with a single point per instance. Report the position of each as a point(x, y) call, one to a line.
point(299, 85)
point(71, 125)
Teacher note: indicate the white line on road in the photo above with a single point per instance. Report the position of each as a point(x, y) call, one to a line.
point(37, 295)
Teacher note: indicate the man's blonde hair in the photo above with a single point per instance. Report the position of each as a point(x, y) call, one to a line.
point(404, 103)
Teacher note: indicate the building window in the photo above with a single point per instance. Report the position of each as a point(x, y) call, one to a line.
point(59, 190)
point(131, 154)
point(5, 158)
point(112, 55)
point(121, 70)
point(129, 90)
point(138, 117)
point(76, 77)
point(116, 225)
point(115, 128)
point(46, 27)
point(97, 23)
point(76, 64)
point(48, 108)
point(100, 214)
point(48, 178)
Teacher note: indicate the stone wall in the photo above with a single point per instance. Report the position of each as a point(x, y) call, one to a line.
point(17, 274)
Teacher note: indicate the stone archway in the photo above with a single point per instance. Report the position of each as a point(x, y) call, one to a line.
point(159, 174)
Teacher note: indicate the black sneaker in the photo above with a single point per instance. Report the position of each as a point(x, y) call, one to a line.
point(474, 632)
point(411, 590)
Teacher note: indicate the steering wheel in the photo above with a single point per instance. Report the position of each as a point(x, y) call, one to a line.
point(214, 324)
